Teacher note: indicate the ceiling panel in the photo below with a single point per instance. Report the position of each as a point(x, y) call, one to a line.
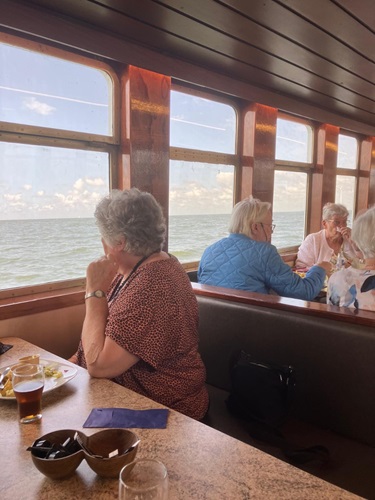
point(318, 51)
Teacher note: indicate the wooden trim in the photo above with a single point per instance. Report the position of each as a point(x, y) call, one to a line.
point(335, 313)
point(44, 301)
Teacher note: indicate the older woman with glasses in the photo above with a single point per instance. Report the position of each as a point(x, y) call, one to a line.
point(332, 243)
point(246, 260)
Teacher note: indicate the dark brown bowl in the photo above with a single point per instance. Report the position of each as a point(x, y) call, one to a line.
point(103, 443)
point(58, 468)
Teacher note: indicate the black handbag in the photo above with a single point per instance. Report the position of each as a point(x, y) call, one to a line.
point(261, 392)
point(261, 395)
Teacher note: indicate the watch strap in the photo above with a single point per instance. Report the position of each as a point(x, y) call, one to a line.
point(98, 294)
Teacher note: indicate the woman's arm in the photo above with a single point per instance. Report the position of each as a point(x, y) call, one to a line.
point(306, 253)
point(104, 358)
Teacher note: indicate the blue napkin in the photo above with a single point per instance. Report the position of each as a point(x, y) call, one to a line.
point(123, 417)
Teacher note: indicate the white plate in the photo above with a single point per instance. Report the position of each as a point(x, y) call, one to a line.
point(51, 383)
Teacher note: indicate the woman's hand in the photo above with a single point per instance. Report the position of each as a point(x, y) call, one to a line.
point(346, 232)
point(100, 273)
point(327, 266)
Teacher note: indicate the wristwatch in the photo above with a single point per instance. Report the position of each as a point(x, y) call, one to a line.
point(99, 294)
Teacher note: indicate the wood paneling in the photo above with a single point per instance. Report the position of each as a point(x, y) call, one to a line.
point(318, 53)
point(145, 137)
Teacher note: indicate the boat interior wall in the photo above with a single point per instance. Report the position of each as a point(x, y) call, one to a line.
point(284, 53)
point(57, 331)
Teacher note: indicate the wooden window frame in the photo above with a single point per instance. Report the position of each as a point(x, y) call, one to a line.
point(15, 299)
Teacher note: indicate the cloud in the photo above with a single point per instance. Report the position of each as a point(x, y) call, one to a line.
point(39, 107)
point(99, 181)
point(80, 184)
point(195, 198)
point(12, 197)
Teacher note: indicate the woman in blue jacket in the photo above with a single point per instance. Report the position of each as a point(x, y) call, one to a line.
point(246, 260)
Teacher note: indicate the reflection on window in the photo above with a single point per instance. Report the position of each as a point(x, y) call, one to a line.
point(289, 207)
point(200, 204)
point(293, 141)
point(45, 91)
point(345, 192)
point(347, 152)
point(47, 201)
point(202, 124)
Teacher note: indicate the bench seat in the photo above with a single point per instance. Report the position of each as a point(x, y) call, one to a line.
point(334, 403)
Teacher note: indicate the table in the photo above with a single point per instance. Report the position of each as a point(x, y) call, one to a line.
point(202, 463)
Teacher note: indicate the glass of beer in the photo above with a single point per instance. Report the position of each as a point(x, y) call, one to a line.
point(28, 383)
point(144, 479)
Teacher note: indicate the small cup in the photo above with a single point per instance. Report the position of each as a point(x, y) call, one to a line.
point(144, 478)
point(28, 384)
point(31, 360)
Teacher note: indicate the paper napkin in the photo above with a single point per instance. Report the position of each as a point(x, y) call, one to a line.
point(125, 418)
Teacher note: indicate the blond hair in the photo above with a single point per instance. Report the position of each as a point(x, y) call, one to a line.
point(247, 212)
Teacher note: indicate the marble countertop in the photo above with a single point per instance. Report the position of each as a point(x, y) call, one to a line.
point(202, 463)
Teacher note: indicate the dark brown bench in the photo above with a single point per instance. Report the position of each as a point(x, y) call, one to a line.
point(333, 352)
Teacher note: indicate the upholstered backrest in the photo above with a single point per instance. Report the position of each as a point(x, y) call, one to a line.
point(334, 360)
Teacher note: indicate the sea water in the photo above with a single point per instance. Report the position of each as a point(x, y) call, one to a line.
point(44, 250)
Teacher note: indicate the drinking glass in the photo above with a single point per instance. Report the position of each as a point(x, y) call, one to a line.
point(143, 479)
point(28, 383)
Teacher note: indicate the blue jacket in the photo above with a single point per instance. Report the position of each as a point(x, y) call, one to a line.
point(245, 264)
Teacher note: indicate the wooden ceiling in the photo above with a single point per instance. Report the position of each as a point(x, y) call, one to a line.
point(319, 52)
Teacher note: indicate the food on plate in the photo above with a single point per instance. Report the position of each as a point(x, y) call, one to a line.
point(7, 391)
point(50, 371)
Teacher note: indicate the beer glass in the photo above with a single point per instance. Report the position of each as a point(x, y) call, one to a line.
point(144, 479)
point(28, 383)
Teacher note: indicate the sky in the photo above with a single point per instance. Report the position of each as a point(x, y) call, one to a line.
point(50, 182)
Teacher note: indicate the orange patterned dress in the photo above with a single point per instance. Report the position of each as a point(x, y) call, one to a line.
point(155, 317)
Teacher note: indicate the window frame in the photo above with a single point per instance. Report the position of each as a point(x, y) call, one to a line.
point(295, 166)
point(350, 172)
point(50, 137)
point(211, 157)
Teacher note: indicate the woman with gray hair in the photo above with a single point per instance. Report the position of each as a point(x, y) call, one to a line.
point(354, 287)
point(141, 322)
point(246, 260)
point(332, 243)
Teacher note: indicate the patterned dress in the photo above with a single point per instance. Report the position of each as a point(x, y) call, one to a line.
point(351, 287)
point(155, 317)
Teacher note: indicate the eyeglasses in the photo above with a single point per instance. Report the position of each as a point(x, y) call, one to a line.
point(338, 223)
point(271, 225)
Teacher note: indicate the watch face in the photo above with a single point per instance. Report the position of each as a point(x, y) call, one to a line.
point(99, 293)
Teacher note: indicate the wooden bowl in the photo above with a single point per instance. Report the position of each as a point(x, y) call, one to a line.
point(58, 468)
point(105, 442)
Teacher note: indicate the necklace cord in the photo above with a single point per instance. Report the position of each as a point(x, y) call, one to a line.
point(120, 285)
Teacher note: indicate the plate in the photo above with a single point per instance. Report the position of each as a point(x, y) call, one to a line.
point(51, 383)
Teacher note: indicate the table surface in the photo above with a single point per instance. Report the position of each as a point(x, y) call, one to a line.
point(202, 463)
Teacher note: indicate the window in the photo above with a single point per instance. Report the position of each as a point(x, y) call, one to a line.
point(293, 141)
point(56, 155)
point(347, 155)
point(345, 192)
point(289, 208)
point(347, 172)
point(202, 168)
point(53, 93)
point(294, 147)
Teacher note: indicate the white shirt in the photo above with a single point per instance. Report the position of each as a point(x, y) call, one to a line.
point(314, 249)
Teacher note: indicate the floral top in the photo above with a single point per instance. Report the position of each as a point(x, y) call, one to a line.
point(353, 288)
point(155, 317)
